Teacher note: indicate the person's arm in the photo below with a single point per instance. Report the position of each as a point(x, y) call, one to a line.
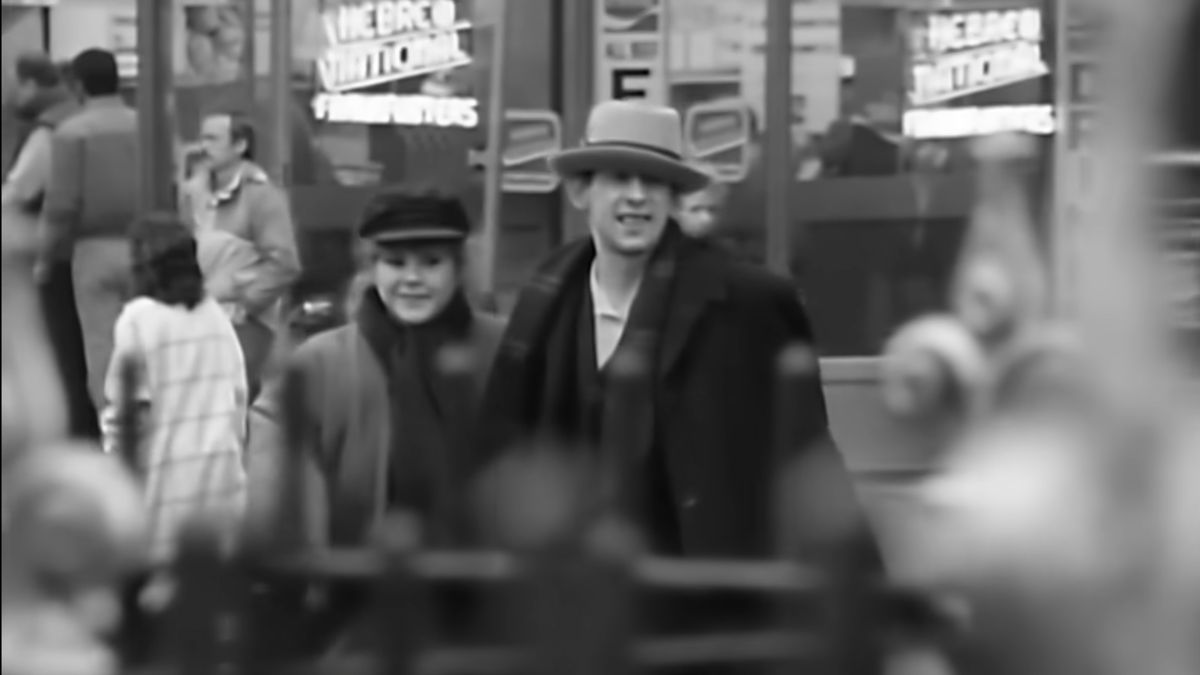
point(269, 521)
point(274, 236)
point(28, 177)
point(127, 353)
point(64, 194)
point(794, 327)
point(824, 486)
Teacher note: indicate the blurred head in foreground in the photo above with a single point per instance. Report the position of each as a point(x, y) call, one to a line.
point(697, 213)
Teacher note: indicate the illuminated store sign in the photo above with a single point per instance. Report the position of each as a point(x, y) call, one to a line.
point(957, 54)
point(930, 123)
point(718, 133)
point(377, 43)
point(402, 109)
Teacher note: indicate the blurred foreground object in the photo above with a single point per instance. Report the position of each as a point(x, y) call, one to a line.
point(73, 519)
point(74, 529)
point(34, 408)
point(1059, 513)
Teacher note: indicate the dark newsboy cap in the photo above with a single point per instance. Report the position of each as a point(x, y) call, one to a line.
point(413, 215)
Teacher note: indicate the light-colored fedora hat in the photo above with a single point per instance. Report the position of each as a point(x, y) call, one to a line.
point(636, 137)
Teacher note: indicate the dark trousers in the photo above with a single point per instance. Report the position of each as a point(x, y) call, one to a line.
point(57, 298)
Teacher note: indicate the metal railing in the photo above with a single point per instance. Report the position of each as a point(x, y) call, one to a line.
point(824, 602)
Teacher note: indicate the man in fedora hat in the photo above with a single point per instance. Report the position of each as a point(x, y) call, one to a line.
point(706, 329)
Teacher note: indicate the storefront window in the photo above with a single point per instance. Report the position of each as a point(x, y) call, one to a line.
point(219, 59)
point(391, 90)
point(397, 92)
point(884, 105)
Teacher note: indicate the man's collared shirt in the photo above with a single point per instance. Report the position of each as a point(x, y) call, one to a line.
point(608, 318)
point(255, 210)
point(210, 197)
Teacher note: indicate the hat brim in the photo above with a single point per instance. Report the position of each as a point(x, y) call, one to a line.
point(577, 161)
point(416, 235)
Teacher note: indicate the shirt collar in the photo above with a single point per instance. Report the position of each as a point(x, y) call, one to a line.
point(226, 193)
point(602, 304)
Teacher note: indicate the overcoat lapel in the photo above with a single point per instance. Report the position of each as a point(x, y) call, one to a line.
point(697, 287)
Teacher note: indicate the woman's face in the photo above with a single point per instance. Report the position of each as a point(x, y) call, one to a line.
point(417, 281)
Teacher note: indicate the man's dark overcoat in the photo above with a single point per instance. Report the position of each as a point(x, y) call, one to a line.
point(713, 338)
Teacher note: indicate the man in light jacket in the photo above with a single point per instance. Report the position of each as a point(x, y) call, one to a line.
point(247, 240)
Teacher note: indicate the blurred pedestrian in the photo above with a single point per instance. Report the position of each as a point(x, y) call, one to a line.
point(698, 211)
point(44, 98)
point(191, 395)
point(251, 271)
point(70, 82)
point(92, 195)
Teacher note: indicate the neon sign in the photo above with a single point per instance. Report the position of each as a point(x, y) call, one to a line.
point(930, 123)
point(402, 109)
point(957, 54)
point(377, 43)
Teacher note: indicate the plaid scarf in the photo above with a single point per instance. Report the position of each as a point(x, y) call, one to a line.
point(530, 368)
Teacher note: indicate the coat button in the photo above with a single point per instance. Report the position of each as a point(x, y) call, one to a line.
point(690, 502)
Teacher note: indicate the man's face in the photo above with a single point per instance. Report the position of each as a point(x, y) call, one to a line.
point(626, 212)
point(416, 281)
point(698, 212)
point(220, 150)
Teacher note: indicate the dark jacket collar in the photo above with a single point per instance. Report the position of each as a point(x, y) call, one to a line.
point(388, 337)
point(700, 281)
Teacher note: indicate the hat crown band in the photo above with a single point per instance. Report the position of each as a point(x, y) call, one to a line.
point(634, 145)
point(632, 137)
point(636, 125)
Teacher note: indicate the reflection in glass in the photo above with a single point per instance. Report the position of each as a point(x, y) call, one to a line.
point(883, 179)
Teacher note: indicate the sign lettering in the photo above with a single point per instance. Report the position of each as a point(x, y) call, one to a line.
point(374, 43)
point(930, 123)
point(400, 109)
point(961, 53)
point(951, 32)
point(380, 42)
point(630, 52)
point(630, 82)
